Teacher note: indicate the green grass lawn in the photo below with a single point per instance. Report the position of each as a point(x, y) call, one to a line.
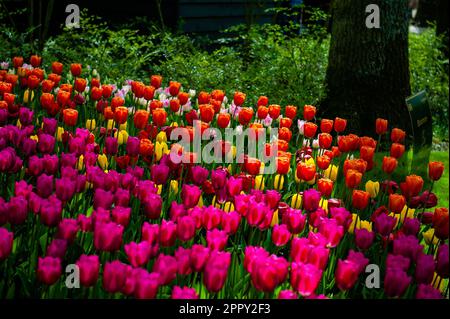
point(441, 187)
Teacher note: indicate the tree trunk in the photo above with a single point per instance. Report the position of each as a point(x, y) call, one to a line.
point(368, 69)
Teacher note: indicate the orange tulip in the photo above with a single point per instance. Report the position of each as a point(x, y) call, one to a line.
point(156, 104)
point(218, 95)
point(310, 129)
point(282, 145)
point(75, 69)
point(283, 165)
point(149, 92)
point(305, 171)
point(397, 150)
point(108, 113)
point(35, 61)
point(326, 125)
point(325, 186)
point(239, 98)
point(352, 178)
point(63, 97)
point(357, 164)
point(325, 140)
point(80, 85)
point(309, 112)
point(156, 81)
point(285, 122)
point(121, 115)
point(389, 164)
point(274, 111)
point(70, 117)
point(96, 93)
point(396, 203)
point(174, 88)
point(17, 61)
point(159, 116)
point(33, 82)
point(435, 170)
point(9, 98)
point(174, 105)
point(47, 100)
point(252, 165)
point(223, 120)
point(146, 147)
point(116, 102)
point(47, 86)
point(206, 112)
point(57, 67)
point(284, 134)
point(367, 141)
point(360, 199)
point(138, 89)
point(323, 162)
point(440, 223)
point(340, 124)
point(183, 97)
point(412, 186)
point(95, 82)
point(262, 101)
point(381, 126)
point(54, 77)
point(290, 111)
point(366, 153)
point(245, 115)
point(397, 135)
point(203, 98)
point(262, 112)
point(140, 119)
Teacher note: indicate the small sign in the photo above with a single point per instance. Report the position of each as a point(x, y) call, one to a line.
point(422, 130)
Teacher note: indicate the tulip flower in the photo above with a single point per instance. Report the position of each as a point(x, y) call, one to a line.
point(397, 135)
point(114, 276)
point(216, 239)
point(347, 273)
point(427, 292)
point(167, 233)
point(186, 228)
point(352, 178)
point(411, 186)
point(440, 223)
point(305, 278)
point(166, 267)
point(190, 195)
point(216, 271)
point(49, 270)
point(280, 235)
point(6, 243)
point(309, 112)
point(389, 164)
point(364, 238)
point(89, 266)
point(435, 170)
point(442, 265)
point(381, 126)
point(184, 293)
point(138, 253)
point(396, 203)
point(425, 266)
point(397, 150)
point(396, 281)
point(108, 236)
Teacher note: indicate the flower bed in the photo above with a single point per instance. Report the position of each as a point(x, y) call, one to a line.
point(101, 197)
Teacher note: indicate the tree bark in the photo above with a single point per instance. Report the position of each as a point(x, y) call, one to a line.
point(368, 69)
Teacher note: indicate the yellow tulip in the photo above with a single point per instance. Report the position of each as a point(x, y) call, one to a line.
point(109, 124)
point(261, 168)
point(18, 124)
point(159, 189)
point(59, 133)
point(331, 172)
point(406, 213)
point(80, 162)
point(174, 186)
point(324, 204)
point(365, 224)
point(200, 201)
point(274, 218)
point(102, 161)
point(161, 137)
point(372, 188)
point(90, 124)
point(160, 149)
point(296, 201)
point(174, 124)
point(259, 182)
point(123, 126)
point(122, 136)
point(439, 283)
point(34, 137)
point(27, 97)
point(430, 238)
point(278, 182)
point(228, 207)
point(397, 218)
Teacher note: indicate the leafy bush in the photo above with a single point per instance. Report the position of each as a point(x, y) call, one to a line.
point(429, 71)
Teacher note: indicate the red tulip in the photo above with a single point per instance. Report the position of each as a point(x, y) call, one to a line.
point(389, 164)
point(352, 178)
point(397, 150)
point(339, 124)
point(309, 112)
point(223, 120)
point(325, 186)
point(440, 223)
point(274, 111)
point(156, 81)
point(290, 111)
point(306, 172)
point(360, 199)
point(347, 273)
point(325, 140)
point(435, 170)
point(396, 203)
point(381, 126)
point(397, 135)
point(239, 98)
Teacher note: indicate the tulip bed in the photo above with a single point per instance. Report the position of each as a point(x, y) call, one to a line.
point(92, 205)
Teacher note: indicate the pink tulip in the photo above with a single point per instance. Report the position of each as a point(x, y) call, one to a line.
point(138, 253)
point(49, 270)
point(184, 293)
point(305, 278)
point(89, 266)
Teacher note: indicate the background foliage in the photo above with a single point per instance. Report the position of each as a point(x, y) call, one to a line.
point(284, 62)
